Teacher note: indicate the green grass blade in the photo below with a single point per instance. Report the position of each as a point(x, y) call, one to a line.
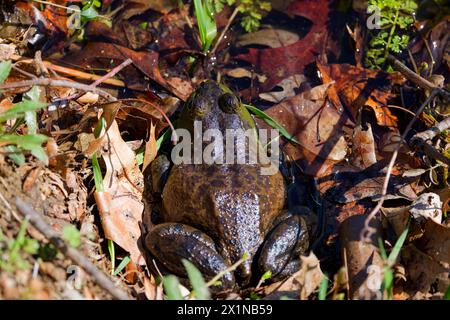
point(98, 178)
point(5, 69)
point(198, 283)
point(112, 255)
point(172, 288)
point(398, 246)
point(271, 122)
point(30, 142)
point(447, 294)
point(21, 108)
point(382, 249)
point(122, 265)
point(206, 24)
point(323, 288)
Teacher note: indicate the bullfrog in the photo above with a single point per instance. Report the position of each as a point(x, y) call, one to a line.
point(214, 214)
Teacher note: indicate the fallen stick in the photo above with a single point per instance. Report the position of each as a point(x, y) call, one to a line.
point(368, 231)
point(57, 83)
point(414, 77)
point(70, 72)
point(43, 227)
point(363, 262)
point(421, 141)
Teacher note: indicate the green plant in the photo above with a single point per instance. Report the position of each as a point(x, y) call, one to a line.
point(125, 261)
point(389, 261)
point(271, 122)
point(72, 235)
point(252, 11)
point(24, 111)
point(200, 287)
point(447, 294)
point(12, 254)
point(206, 24)
point(323, 288)
point(391, 36)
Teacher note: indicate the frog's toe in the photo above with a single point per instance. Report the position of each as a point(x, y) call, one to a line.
point(171, 242)
point(283, 246)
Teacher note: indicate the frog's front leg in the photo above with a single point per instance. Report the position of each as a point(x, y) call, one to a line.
point(280, 253)
point(171, 242)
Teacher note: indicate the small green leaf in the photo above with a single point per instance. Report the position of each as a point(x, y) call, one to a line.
point(89, 13)
point(112, 255)
point(30, 246)
point(447, 294)
point(31, 142)
point(5, 69)
point(72, 235)
point(122, 265)
point(267, 275)
point(98, 177)
point(172, 288)
point(20, 108)
point(398, 246)
point(323, 288)
point(198, 283)
point(206, 24)
point(271, 122)
point(15, 154)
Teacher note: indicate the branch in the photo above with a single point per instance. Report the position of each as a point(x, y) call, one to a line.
point(422, 140)
point(414, 77)
point(57, 83)
point(368, 231)
point(43, 227)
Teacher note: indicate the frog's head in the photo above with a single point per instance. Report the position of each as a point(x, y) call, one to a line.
point(217, 107)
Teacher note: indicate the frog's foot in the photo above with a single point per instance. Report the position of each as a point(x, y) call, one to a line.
point(171, 242)
point(280, 253)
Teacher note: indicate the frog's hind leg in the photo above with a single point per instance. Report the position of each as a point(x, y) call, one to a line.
point(171, 242)
point(280, 253)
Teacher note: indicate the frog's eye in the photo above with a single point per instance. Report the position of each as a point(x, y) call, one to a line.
point(197, 108)
point(229, 103)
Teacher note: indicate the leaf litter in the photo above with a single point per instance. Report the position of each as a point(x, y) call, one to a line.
point(307, 74)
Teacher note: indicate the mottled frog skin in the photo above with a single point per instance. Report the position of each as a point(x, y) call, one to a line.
point(214, 214)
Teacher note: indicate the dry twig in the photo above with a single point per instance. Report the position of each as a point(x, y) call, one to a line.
point(43, 227)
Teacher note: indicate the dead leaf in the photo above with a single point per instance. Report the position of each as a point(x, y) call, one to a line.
point(120, 205)
point(301, 284)
point(360, 87)
point(363, 155)
point(287, 85)
point(427, 206)
point(318, 126)
point(136, 7)
point(281, 62)
point(150, 148)
point(362, 259)
point(151, 290)
point(268, 36)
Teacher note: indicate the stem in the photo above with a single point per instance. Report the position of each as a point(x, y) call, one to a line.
point(391, 34)
point(57, 83)
point(222, 273)
point(224, 31)
point(73, 254)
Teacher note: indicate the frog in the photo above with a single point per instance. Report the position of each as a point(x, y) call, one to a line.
point(219, 215)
